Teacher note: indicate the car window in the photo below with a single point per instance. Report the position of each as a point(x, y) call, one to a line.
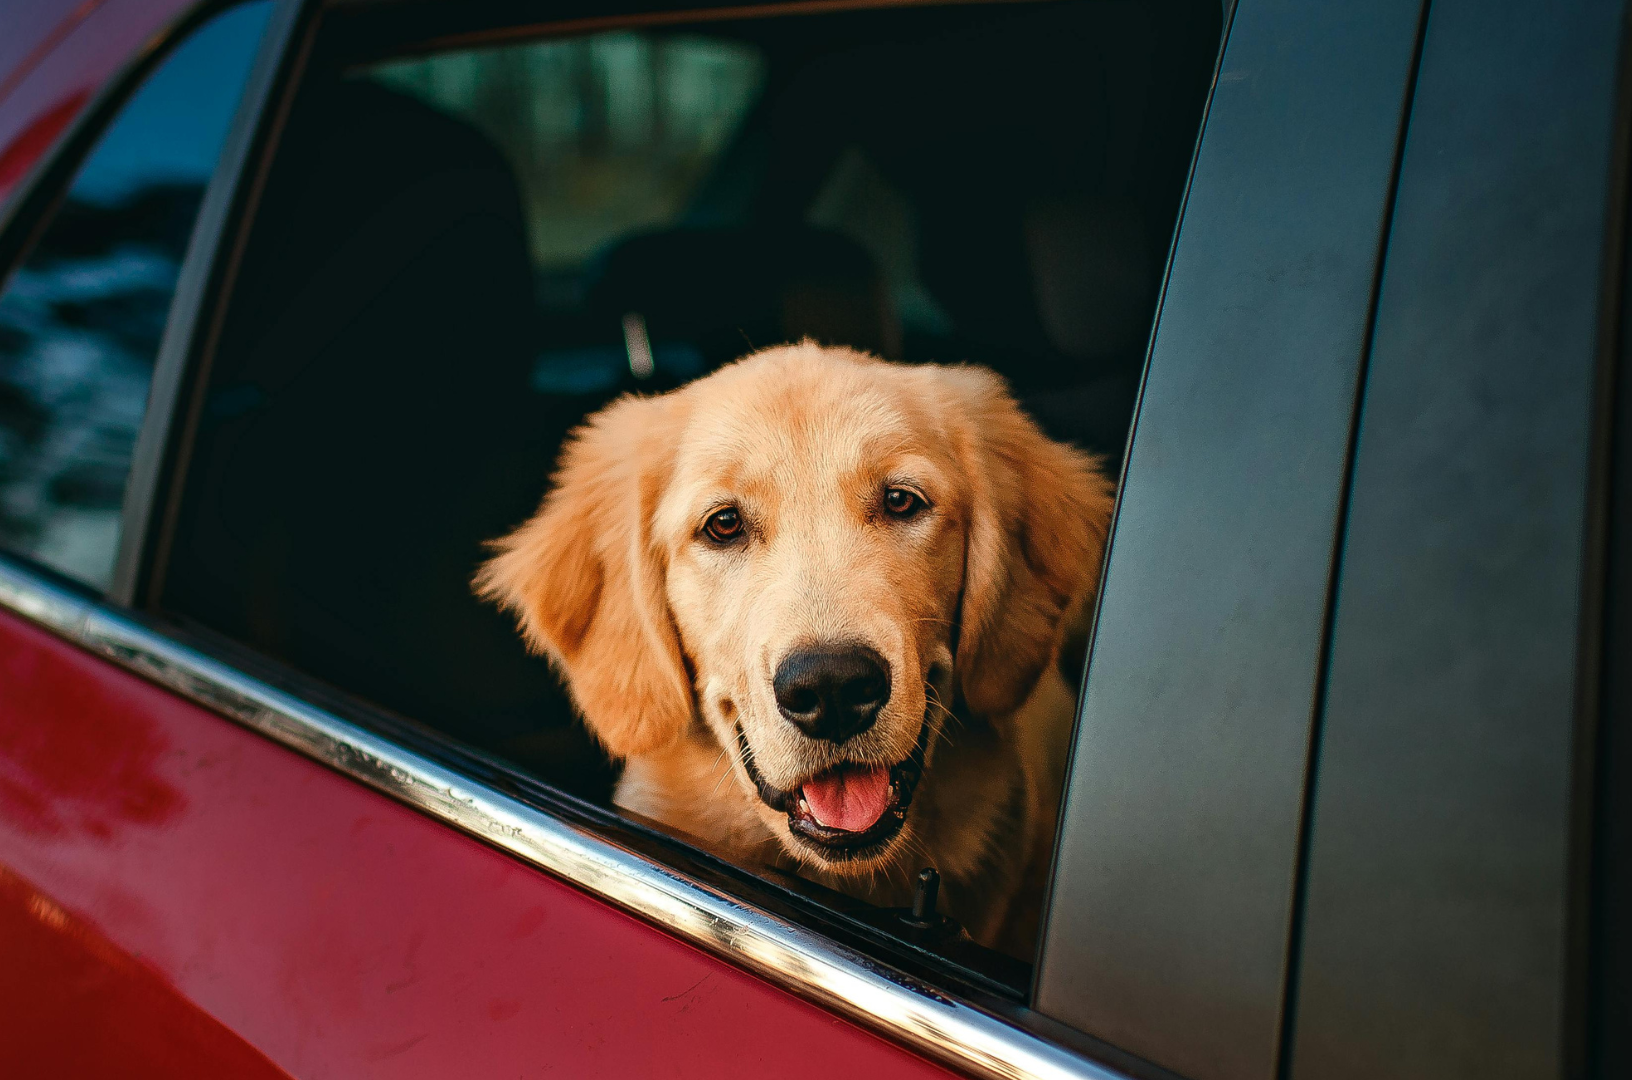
point(81, 318)
point(460, 254)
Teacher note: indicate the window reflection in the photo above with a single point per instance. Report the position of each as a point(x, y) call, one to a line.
point(607, 135)
point(81, 319)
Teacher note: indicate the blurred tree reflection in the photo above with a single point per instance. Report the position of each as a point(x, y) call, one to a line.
point(608, 134)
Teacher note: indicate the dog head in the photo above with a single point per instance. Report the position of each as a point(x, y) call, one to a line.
point(809, 553)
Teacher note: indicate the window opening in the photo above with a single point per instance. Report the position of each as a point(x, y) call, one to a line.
point(460, 256)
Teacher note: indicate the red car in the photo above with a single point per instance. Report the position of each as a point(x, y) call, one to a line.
point(298, 299)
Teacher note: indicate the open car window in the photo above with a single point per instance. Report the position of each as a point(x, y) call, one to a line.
point(462, 252)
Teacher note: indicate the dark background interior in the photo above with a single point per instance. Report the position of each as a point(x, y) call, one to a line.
point(373, 411)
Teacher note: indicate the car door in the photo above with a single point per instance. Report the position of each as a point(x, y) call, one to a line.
point(232, 830)
point(320, 942)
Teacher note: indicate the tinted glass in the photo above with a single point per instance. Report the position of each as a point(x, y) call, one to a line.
point(81, 318)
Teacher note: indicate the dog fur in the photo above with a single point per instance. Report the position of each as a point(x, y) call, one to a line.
point(667, 639)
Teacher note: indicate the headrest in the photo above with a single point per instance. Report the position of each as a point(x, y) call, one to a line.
point(1091, 269)
point(393, 219)
point(765, 285)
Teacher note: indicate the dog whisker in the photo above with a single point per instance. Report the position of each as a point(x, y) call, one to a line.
point(723, 775)
point(948, 717)
point(914, 847)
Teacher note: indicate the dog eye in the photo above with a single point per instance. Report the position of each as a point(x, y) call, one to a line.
point(902, 503)
point(723, 526)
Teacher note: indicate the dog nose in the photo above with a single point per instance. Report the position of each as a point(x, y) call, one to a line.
point(832, 692)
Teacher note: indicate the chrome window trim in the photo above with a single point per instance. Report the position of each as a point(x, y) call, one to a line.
point(801, 961)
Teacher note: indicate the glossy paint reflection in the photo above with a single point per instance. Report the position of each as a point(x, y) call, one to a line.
point(329, 928)
point(79, 774)
point(72, 1003)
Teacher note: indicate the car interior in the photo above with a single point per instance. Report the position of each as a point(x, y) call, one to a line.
point(459, 252)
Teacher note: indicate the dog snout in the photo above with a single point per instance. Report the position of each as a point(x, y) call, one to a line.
point(832, 692)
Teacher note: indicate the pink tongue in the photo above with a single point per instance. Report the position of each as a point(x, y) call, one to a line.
point(849, 799)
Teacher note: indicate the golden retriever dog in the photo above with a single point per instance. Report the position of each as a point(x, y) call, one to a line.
point(816, 602)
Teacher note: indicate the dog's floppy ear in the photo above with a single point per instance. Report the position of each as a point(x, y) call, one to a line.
point(1038, 516)
point(586, 581)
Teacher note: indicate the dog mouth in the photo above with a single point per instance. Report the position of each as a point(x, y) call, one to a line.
point(851, 811)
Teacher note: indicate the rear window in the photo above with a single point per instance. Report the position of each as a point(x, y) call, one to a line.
point(462, 253)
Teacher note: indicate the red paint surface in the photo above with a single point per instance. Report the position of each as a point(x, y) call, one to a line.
point(56, 966)
point(334, 931)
